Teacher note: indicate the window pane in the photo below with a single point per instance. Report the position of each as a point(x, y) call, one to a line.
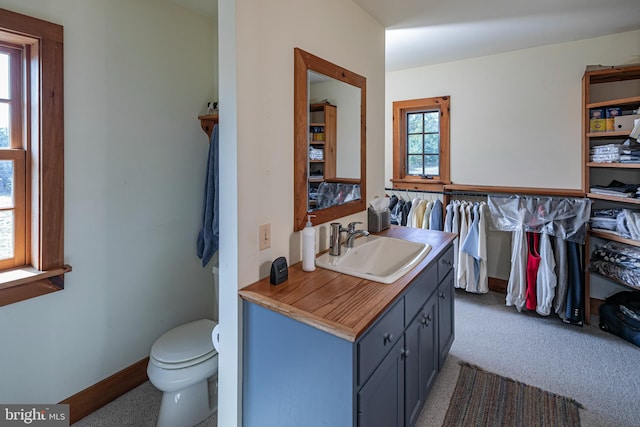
point(4, 76)
point(6, 234)
point(414, 123)
point(432, 143)
point(6, 183)
point(432, 121)
point(414, 165)
point(4, 125)
point(415, 144)
point(432, 165)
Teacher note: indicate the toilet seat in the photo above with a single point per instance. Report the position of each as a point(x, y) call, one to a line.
point(184, 346)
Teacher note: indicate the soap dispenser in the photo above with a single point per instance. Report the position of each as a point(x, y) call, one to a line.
point(309, 246)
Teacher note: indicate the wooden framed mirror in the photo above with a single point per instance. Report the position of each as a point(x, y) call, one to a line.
point(329, 140)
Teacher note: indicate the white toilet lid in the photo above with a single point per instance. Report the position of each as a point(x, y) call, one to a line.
point(185, 342)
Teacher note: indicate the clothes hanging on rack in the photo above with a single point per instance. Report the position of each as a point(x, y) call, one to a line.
point(517, 285)
point(546, 280)
point(533, 262)
point(547, 239)
point(419, 211)
point(469, 221)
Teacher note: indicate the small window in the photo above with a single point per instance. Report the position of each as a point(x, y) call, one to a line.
point(421, 143)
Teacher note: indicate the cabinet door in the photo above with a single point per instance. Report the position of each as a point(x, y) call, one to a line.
point(381, 399)
point(421, 359)
point(445, 318)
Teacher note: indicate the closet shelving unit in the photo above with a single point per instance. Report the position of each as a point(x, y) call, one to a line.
point(601, 88)
point(322, 135)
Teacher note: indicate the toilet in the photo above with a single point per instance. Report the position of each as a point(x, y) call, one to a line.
point(182, 365)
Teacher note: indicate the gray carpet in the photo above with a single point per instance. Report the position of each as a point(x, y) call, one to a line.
point(593, 367)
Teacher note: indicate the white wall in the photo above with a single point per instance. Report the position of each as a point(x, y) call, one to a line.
point(258, 108)
point(137, 74)
point(265, 108)
point(346, 98)
point(515, 117)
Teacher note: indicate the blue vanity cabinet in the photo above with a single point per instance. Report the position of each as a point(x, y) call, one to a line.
point(446, 315)
point(302, 369)
point(294, 374)
point(421, 359)
point(381, 399)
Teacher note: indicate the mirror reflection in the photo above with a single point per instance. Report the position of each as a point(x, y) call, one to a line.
point(330, 140)
point(334, 142)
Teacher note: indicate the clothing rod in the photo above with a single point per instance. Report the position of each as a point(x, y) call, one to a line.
point(402, 190)
point(478, 193)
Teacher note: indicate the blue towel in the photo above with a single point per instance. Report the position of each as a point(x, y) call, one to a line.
point(208, 238)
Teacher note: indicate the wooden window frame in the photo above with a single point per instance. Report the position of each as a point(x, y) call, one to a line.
point(401, 179)
point(43, 136)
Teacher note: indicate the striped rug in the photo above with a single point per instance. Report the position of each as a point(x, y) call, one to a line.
point(482, 398)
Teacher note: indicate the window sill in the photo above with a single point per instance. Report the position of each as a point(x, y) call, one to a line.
point(419, 184)
point(24, 283)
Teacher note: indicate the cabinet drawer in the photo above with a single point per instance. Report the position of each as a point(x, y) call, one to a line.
point(445, 264)
point(379, 339)
point(421, 289)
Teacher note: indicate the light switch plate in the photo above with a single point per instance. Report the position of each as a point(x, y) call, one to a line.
point(264, 236)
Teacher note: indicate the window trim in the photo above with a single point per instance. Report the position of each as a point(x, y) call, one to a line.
point(400, 178)
point(43, 43)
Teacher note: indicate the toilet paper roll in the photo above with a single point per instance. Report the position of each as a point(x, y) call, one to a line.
point(215, 337)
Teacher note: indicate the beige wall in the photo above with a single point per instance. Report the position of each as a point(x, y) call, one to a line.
point(256, 94)
point(265, 109)
point(515, 117)
point(134, 173)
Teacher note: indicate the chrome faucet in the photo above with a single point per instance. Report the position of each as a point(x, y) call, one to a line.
point(352, 233)
point(334, 238)
point(336, 231)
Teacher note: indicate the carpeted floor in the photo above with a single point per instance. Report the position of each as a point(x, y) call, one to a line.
point(483, 398)
point(593, 367)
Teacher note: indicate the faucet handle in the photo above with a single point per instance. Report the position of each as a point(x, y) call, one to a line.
point(352, 226)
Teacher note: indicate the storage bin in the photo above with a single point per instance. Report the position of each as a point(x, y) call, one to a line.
point(625, 122)
point(378, 220)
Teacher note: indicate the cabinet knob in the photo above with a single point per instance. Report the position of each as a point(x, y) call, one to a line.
point(443, 295)
point(404, 353)
point(388, 337)
point(447, 262)
point(426, 319)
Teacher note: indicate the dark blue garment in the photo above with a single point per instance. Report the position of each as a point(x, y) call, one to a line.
point(435, 220)
point(209, 236)
point(396, 212)
point(393, 201)
point(575, 287)
point(405, 212)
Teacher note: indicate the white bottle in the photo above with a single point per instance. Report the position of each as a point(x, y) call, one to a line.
point(309, 246)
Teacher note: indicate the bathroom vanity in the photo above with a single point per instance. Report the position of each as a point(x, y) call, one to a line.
point(329, 349)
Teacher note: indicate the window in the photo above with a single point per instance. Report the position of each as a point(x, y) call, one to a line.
point(31, 158)
point(12, 160)
point(421, 143)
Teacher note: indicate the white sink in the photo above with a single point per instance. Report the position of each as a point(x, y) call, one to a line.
point(377, 258)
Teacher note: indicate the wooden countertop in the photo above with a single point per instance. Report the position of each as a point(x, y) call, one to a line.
point(337, 303)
